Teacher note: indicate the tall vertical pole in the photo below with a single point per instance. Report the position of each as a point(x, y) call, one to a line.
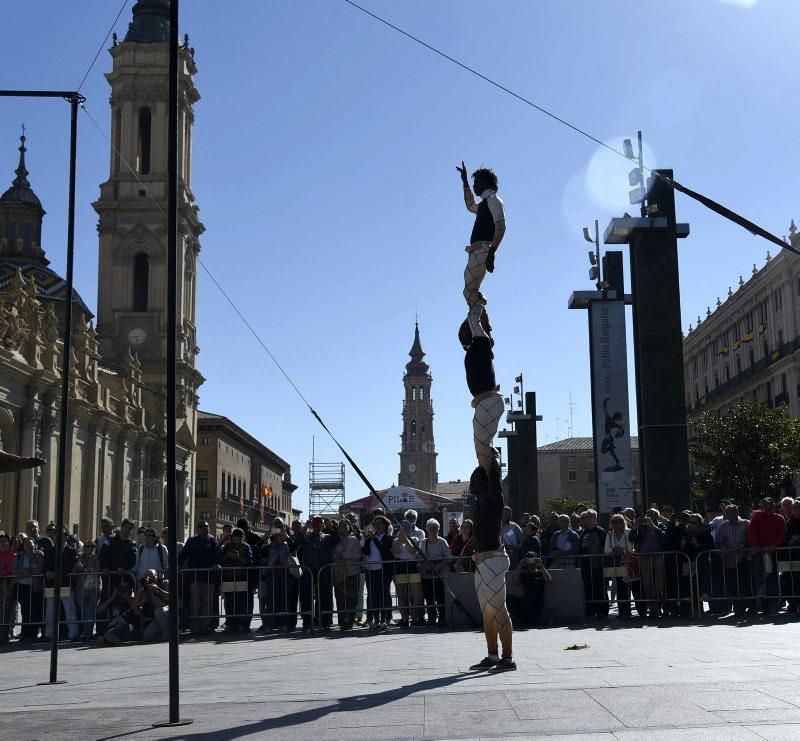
point(66, 357)
point(172, 333)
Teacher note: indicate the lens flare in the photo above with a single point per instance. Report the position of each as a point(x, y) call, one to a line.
point(606, 179)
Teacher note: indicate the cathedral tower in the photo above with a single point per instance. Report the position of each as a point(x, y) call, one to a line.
point(418, 450)
point(132, 289)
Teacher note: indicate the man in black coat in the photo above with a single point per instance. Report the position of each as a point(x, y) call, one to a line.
point(314, 550)
point(593, 541)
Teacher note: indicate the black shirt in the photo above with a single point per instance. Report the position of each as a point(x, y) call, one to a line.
point(483, 230)
point(479, 367)
point(488, 513)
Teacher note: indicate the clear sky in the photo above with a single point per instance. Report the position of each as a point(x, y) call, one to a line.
point(324, 162)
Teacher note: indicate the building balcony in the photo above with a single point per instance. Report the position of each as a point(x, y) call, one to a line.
point(784, 350)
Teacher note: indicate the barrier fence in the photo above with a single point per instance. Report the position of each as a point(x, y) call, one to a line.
point(358, 592)
point(749, 578)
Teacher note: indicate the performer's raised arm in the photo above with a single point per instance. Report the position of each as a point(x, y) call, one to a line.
point(469, 199)
point(10, 463)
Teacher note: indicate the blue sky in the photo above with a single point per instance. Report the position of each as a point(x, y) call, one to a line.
point(324, 162)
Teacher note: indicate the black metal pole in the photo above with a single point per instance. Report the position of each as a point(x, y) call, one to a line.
point(172, 331)
point(74, 100)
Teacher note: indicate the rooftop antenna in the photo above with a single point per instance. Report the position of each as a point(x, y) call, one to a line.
point(571, 409)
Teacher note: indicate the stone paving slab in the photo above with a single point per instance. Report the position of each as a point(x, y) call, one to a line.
point(681, 682)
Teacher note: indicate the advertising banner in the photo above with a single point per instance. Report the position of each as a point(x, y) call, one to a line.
point(610, 415)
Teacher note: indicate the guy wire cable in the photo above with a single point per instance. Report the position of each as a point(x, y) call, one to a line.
point(456, 601)
point(103, 43)
point(674, 184)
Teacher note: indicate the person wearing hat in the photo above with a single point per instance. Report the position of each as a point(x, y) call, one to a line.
point(315, 551)
point(236, 558)
point(200, 558)
point(766, 532)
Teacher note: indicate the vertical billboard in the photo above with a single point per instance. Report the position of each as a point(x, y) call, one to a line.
point(610, 415)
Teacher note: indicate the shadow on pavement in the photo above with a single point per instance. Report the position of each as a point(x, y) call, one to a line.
point(343, 704)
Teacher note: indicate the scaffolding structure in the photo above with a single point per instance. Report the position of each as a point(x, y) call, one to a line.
point(325, 488)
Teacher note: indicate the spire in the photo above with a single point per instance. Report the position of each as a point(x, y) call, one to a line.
point(20, 190)
point(417, 366)
point(150, 22)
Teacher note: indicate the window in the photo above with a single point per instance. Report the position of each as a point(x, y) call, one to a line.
point(572, 477)
point(201, 483)
point(141, 278)
point(230, 488)
point(117, 139)
point(143, 149)
point(590, 476)
point(206, 441)
point(26, 237)
point(12, 236)
point(421, 393)
point(413, 428)
point(571, 459)
point(780, 339)
point(413, 393)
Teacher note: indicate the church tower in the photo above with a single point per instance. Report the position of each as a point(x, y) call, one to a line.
point(132, 225)
point(418, 451)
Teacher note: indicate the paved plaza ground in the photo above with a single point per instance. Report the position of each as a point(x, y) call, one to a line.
point(724, 681)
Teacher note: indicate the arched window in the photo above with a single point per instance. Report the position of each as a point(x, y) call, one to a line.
point(141, 279)
point(143, 151)
point(413, 428)
point(421, 393)
point(413, 393)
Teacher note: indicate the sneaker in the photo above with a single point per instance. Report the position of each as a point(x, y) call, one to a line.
point(504, 665)
point(486, 663)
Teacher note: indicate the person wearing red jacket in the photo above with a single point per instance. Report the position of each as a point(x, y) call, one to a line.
point(766, 531)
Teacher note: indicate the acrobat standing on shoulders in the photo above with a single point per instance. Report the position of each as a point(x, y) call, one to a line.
point(486, 398)
point(487, 233)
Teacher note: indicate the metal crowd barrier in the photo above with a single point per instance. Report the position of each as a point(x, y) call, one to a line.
point(238, 595)
point(359, 591)
point(373, 591)
point(650, 583)
point(26, 602)
point(745, 578)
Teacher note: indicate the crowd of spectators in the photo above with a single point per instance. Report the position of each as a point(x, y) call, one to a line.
point(665, 563)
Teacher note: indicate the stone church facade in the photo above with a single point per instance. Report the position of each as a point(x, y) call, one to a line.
point(115, 452)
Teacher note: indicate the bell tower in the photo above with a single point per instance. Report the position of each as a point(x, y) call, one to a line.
point(418, 450)
point(132, 288)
